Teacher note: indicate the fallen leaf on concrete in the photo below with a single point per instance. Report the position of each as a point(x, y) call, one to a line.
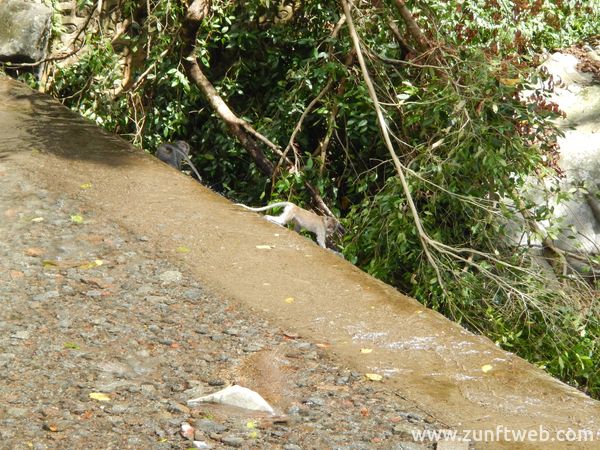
point(34, 251)
point(62, 264)
point(77, 219)
point(95, 281)
point(373, 377)
point(101, 397)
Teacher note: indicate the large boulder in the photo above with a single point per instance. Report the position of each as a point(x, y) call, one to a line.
point(24, 31)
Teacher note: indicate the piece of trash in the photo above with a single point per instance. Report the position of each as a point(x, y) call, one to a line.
point(289, 300)
point(237, 396)
point(86, 186)
point(264, 247)
point(187, 431)
point(366, 350)
point(182, 249)
point(37, 219)
point(486, 368)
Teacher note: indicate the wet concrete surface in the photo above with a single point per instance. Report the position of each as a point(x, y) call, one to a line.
point(463, 381)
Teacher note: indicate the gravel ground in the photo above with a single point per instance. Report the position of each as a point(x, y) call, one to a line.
point(88, 308)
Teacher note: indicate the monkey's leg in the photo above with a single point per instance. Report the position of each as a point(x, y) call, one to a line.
point(321, 239)
point(275, 219)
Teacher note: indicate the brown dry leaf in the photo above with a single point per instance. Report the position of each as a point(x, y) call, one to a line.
point(95, 281)
point(51, 427)
point(35, 251)
point(290, 335)
point(16, 274)
point(510, 81)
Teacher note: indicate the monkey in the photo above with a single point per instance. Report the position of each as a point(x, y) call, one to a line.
point(321, 226)
point(174, 153)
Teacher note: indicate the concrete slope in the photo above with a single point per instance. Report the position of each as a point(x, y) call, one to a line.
point(462, 380)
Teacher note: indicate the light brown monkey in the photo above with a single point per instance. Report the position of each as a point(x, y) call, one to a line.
point(321, 226)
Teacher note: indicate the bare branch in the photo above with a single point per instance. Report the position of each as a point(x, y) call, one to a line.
point(423, 237)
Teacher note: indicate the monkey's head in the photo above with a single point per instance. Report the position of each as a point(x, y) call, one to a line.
point(334, 226)
point(172, 153)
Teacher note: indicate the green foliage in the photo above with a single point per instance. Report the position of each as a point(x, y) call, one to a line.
point(465, 139)
point(508, 27)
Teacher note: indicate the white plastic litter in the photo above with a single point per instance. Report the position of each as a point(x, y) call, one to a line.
point(237, 396)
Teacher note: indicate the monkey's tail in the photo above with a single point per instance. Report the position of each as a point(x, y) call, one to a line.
point(265, 208)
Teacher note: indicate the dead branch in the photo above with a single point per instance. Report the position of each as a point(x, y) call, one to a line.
point(238, 128)
point(298, 126)
point(423, 237)
point(412, 26)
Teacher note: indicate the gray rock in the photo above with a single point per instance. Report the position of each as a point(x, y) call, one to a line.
point(170, 276)
point(178, 408)
point(415, 446)
point(5, 358)
point(315, 401)
point(193, 294)
point(16, 412)
point(45, 296)
point(252, 348)
point(24, 32)
point(233, 441)
point(21, 334)
point(208, 426)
